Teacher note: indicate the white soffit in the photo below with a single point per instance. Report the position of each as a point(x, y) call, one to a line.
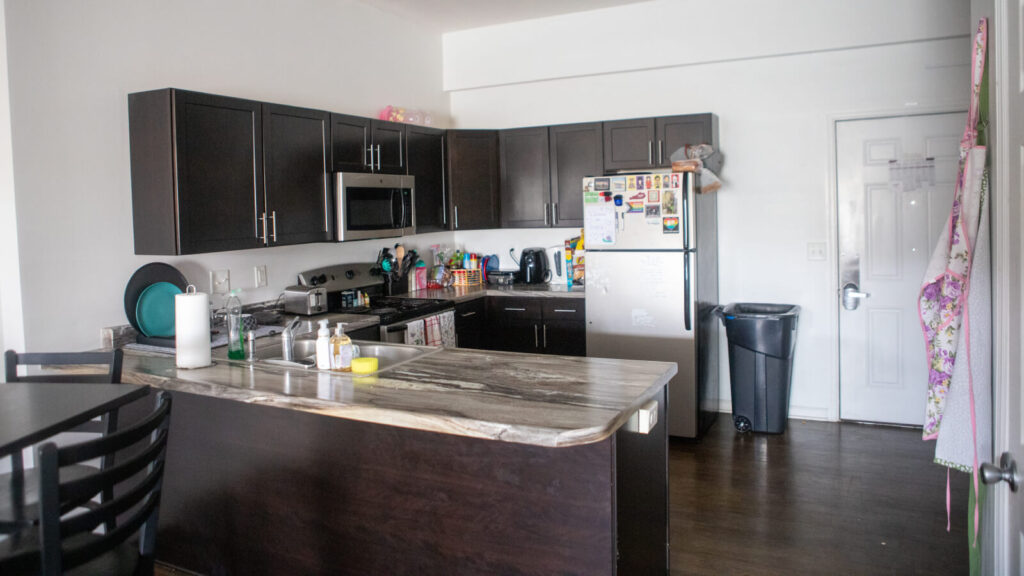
point(452, 15)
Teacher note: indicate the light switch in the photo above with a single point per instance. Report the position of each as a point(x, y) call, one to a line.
point(816, 250)
point(260, 273)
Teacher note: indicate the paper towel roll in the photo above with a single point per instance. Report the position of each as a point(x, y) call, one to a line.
point(192, 328)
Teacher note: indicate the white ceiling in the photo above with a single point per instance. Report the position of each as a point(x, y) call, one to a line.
point(452, 15)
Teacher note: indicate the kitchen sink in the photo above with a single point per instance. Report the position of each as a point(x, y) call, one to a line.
point(268, 351)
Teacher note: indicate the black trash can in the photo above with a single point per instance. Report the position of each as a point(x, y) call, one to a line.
point(761, 342)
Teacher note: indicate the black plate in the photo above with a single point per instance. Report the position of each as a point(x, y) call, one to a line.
point(145, 277)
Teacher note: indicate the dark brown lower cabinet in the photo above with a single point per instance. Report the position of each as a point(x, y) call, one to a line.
point(537, 325)
point(252, 489)
point(371, 333)
point(469, 323)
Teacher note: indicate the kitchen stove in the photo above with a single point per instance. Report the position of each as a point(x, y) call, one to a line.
point(392, 310)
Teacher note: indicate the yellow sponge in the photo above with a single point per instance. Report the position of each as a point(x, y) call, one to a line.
point(364, 365)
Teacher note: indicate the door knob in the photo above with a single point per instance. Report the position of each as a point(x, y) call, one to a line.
point(852, 296)
point(1005, 472)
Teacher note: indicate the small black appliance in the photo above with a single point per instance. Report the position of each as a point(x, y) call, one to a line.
point(533, 266)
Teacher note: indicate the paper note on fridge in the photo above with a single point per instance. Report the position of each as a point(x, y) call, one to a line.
point(599, 222)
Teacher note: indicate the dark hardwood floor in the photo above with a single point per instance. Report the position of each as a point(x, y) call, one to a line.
point(823, 498)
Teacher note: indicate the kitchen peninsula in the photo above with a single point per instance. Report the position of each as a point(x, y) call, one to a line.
point(460, 462)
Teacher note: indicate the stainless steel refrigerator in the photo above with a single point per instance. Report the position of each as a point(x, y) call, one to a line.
point(652, 283)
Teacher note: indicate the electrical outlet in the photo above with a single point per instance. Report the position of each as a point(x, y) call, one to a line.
point(816, 250)
point(220, 281)
point(260, 275)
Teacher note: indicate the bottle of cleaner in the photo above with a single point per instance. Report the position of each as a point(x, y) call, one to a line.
point(236, 351)
point(323, 346)
point(341, 350)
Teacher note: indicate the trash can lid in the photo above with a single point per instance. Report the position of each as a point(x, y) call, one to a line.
point(758, 310)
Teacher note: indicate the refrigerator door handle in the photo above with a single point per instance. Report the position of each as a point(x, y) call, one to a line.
point(687, 316)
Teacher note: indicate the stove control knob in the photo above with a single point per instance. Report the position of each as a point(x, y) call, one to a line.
point(321, 279)
point(350, 274)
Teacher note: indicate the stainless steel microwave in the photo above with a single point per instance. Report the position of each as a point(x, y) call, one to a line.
point(374, 205)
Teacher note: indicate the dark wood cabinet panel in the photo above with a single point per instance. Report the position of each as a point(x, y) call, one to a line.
point(197, 172)
point(370, 334)
point(676, 132)
point(469, 323)
point(473, 179)
point(296, 153)
point(525, 178)
point(629, 144)
point(425, 150)
point(536, 325)
point(576, 152)
point(389, 147)
point(564, 337)
point(350, 143)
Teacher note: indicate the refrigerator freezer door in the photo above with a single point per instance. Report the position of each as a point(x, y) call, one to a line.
point(635, 310)
point(646, 220)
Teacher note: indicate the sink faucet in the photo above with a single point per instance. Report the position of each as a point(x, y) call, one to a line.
point(288, 339)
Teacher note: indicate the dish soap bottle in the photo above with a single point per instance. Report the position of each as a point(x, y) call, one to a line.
point(236, 351)
point(341, 349)
point(323, 346)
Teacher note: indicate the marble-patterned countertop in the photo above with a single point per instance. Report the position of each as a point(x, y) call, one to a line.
point(459, 294)
point(504, 396)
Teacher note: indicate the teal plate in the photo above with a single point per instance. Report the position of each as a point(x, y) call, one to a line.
point(155, 310)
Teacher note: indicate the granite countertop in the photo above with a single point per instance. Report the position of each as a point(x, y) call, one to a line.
point(524, 398)
point(459, 294)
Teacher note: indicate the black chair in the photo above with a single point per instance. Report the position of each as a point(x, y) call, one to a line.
point(18, 488)
point(66, 542)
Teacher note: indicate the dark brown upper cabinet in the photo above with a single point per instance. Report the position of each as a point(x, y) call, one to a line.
point(648, 143)
point(525, 178)
point(473, 179)
point(211, 173)
point(296, 157)
point(674, 133)
point(629, 144)
point(366, 145)
point(576, 152)
point(197, 172)
point(425, 152)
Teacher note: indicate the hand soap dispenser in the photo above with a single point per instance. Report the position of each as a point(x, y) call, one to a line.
point(341, 349)
point(323, 346)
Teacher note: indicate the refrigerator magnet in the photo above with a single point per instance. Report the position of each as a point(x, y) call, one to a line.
point(652, 212)
point(670, 225)
point(638, 197)
point(630, 183)
point(619, 184)
point(669, 205)
point(636, 208)
point(602, 184)
point(654, 196)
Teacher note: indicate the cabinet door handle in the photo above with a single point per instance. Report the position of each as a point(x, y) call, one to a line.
point(554, 213)
point(273, 232)
point(401, 157)
point(369, 150)
point(263, 224)
point(536, 340)
point(515, 309)
point(660, 160)
point(546, 214)
point(378, 158)
point(468, 314)
point(444, 184)
point(650, 152)
point(565, 310)
point(456, 216)
point(545, 336)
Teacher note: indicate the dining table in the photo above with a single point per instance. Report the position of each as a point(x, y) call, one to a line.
point(31, 412)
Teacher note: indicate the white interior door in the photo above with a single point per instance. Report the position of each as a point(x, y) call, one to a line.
point(895, 182)
point(1005, 40)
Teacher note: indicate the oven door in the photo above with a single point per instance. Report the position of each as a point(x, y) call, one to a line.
point(374, 206)
point(395, 333)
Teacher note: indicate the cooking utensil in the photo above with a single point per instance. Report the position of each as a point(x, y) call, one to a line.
point(399, 252)
point(155, 310)
point(143, 278)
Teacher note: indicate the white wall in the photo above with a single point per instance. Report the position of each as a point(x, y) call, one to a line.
point(776, 114)
point(11, 333)
point(72, 65)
